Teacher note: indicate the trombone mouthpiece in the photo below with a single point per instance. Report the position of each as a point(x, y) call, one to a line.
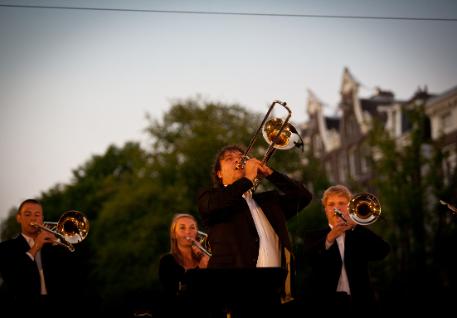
point(340, 215)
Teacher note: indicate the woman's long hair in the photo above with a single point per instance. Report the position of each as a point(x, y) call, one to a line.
point(174, 250)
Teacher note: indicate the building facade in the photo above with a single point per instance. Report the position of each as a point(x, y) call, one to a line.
point(442, 111)
point(341, 142)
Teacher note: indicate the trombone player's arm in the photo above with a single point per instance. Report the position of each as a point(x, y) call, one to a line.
point(215, 201)
point(337, 230)
point(204, 257)
point(295, 196)
point(255, 169)
point(43, 238)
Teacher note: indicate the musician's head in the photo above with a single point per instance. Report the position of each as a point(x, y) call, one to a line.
point(225, 170)
point(29, 211)
point(338, 197)
point(183, 226)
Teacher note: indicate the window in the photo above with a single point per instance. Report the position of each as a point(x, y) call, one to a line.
point(445, 120)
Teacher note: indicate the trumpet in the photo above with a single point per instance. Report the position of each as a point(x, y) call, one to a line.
point(278, 133)
point(363, 208)
point(72, 228)
point(202, 239)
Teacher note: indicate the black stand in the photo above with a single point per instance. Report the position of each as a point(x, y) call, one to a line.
point(236, 292)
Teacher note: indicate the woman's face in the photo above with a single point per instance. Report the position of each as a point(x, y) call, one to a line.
point(185, 229)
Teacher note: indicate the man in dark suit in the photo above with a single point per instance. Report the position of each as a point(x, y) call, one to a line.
point(339, 256)
point(37, 276)
point(246, 229)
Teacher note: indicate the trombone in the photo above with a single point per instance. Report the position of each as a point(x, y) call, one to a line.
point(72, 228)
point(278, 133)
point(201, 242)
point(364, 209)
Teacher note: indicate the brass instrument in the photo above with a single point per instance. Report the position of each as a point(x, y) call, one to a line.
point(201, 242)
point(278, 133)
point(363, 209)
point(72, 228)
point(339, 214)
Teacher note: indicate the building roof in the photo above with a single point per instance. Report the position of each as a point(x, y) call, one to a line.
point(442, 96)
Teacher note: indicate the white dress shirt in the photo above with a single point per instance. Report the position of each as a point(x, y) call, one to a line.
point(269, 247)
point(38, 262)
point(343, 282)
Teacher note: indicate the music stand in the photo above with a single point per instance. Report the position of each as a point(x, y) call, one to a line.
point(236, 290)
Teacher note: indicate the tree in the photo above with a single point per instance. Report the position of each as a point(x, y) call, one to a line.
point(130, 194)
point(406, 177)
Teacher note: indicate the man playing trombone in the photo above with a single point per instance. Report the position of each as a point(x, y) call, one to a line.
point(35, 273)
point(248, 229)
point(339, 254)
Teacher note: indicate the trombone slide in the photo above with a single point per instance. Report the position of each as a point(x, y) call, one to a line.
point(60, 239)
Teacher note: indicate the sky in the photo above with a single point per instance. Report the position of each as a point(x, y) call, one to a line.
point(73, 82)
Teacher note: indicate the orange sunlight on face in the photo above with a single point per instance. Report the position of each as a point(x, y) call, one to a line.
point(341, 203)
point(185, 228)
point(228, 172)
point(30, 213)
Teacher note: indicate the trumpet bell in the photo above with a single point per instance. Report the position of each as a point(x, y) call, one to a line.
point(73, 226)
point(364, 208)
point(287, 139)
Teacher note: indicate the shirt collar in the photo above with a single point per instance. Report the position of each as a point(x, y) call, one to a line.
point(29, 239)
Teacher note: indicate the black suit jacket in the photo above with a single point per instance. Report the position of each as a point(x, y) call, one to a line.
point(231, 230)
point(361, 246)
point(171, 276)
point(21, 280)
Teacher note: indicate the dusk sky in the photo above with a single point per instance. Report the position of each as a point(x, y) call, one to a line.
point(74, 81)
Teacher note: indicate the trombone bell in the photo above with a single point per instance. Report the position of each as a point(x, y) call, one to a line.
point(277, 132)
point(288, 137)
point(71, 228)
point(364, 208)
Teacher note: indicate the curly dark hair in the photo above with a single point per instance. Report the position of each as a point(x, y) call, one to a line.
point(217, 183)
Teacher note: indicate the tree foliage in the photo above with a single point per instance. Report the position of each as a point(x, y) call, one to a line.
point(130, 194)
point(409, 179)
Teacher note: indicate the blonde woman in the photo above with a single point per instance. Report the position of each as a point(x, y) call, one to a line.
point(183, 255)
